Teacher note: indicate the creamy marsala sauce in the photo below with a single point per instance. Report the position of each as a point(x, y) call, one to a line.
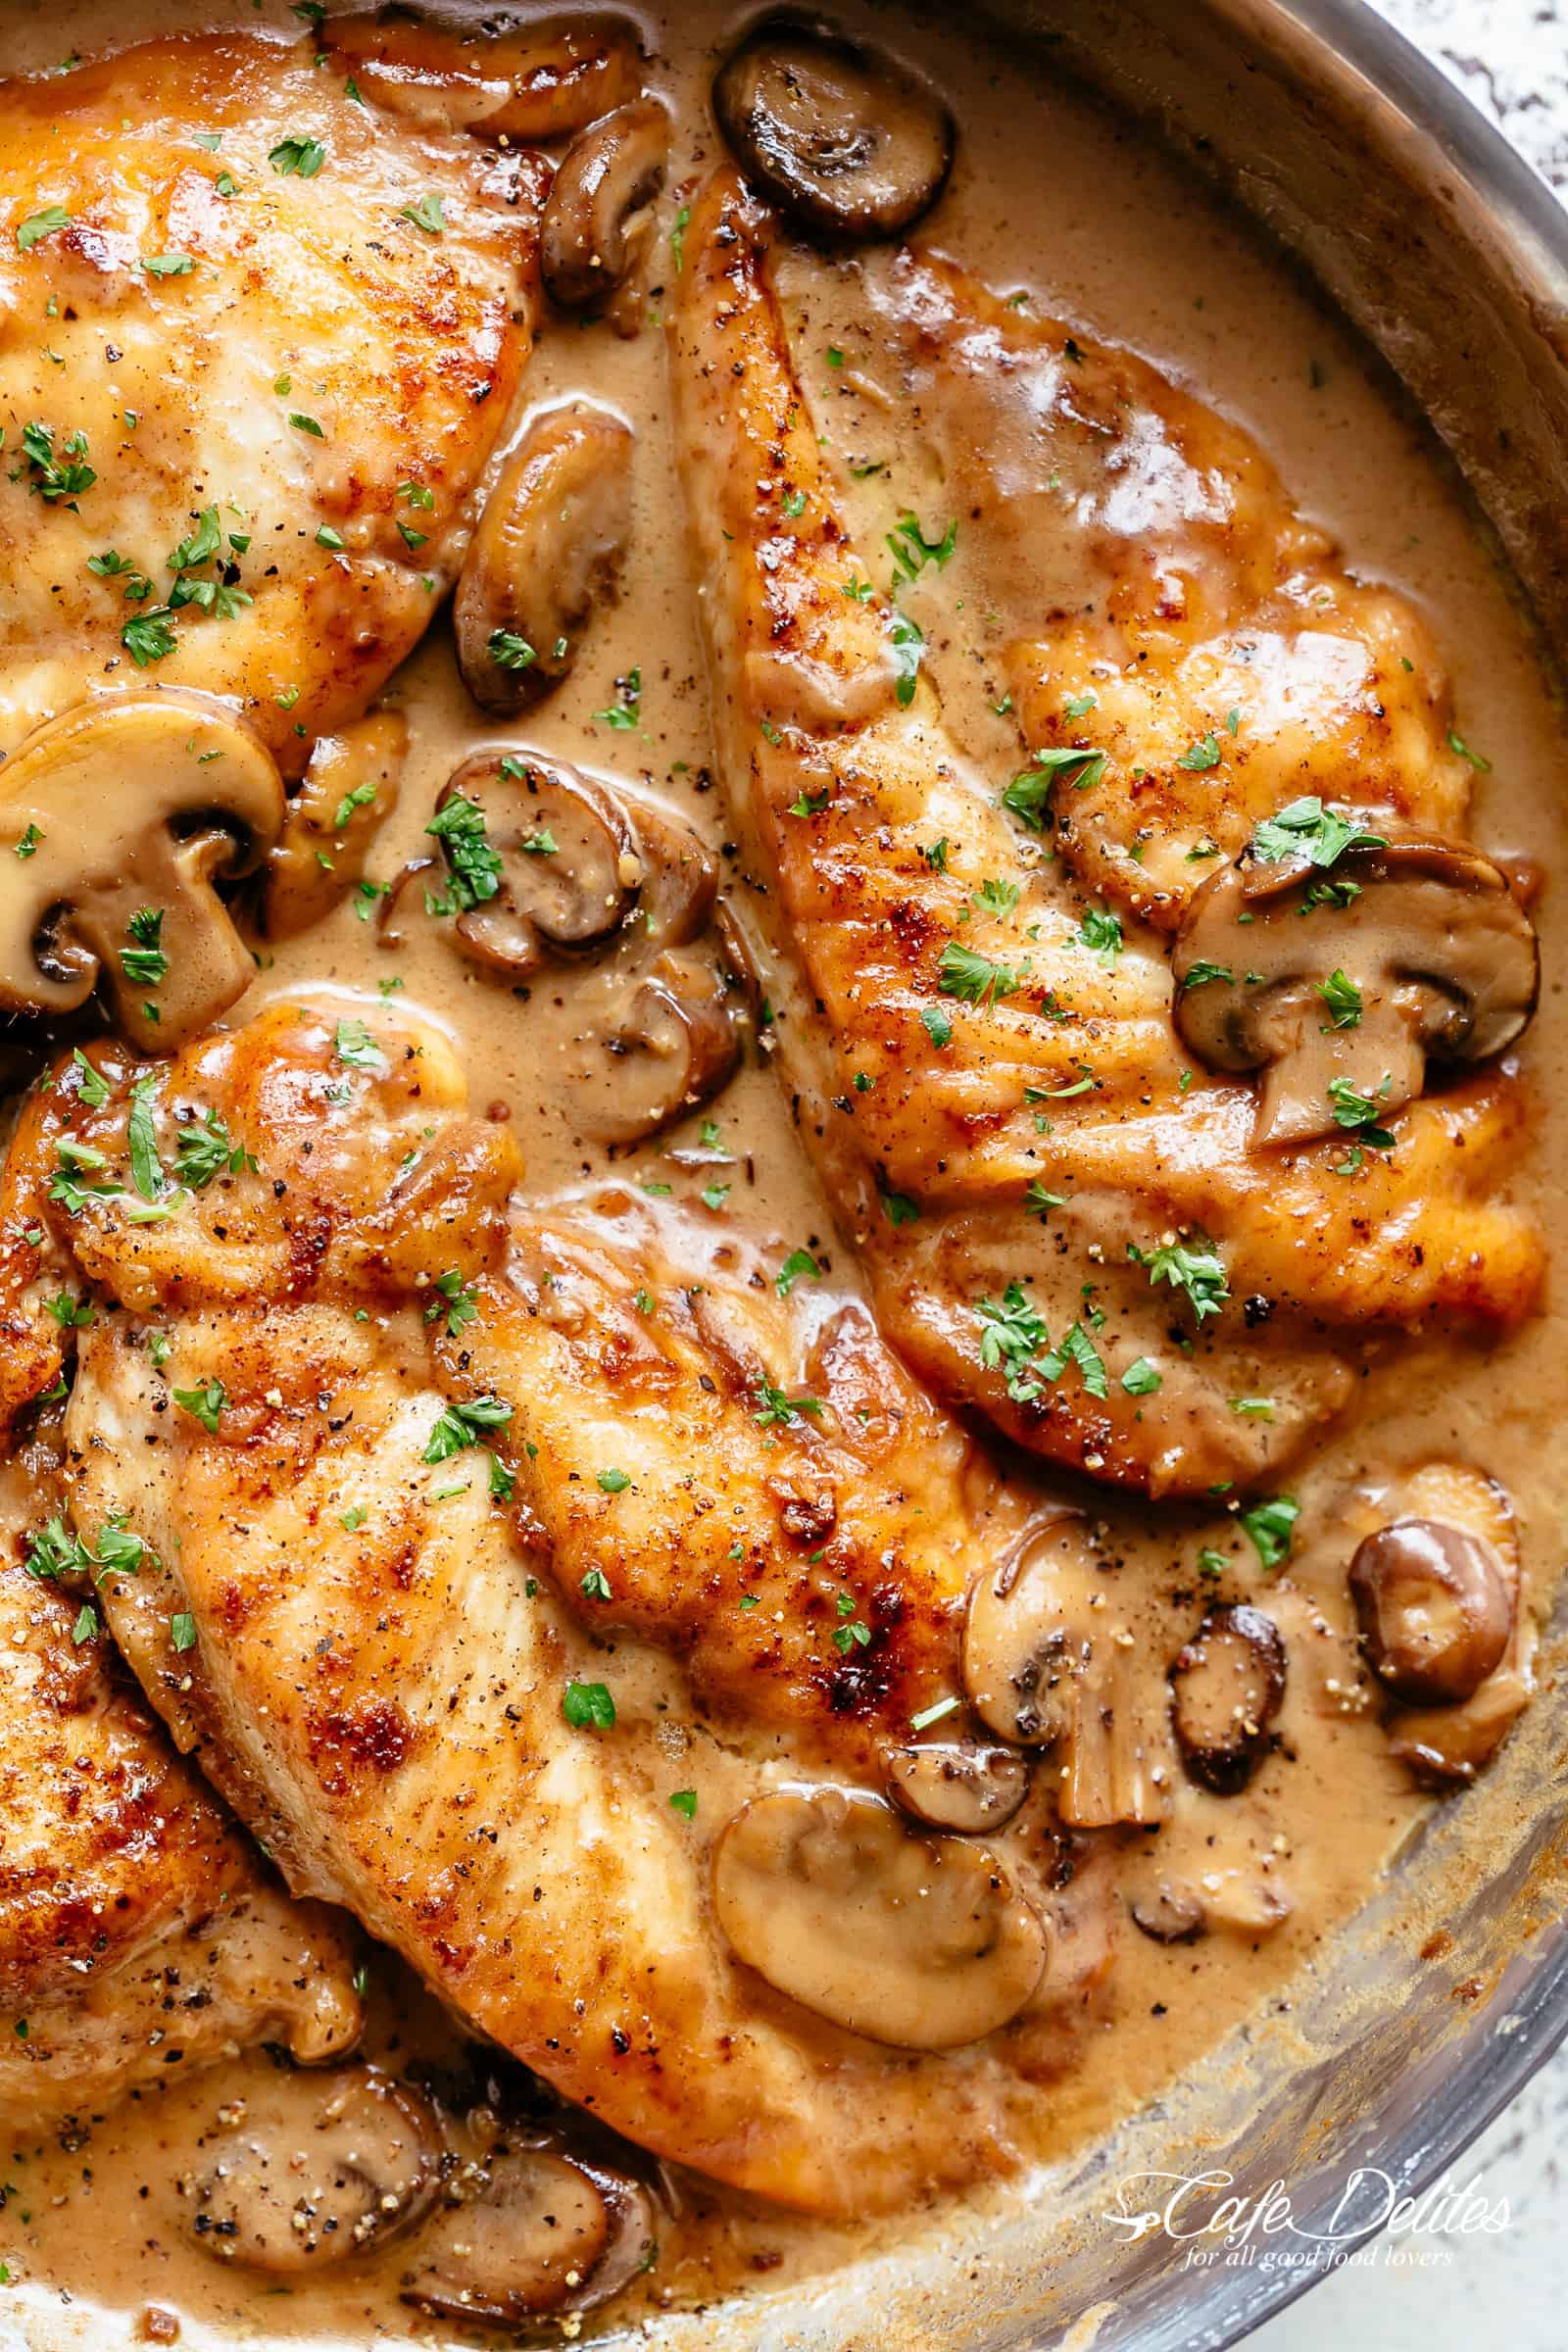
point(1083, 218)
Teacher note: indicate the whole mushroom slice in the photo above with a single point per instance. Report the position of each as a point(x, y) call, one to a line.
point(677, 1043)
point(1230, 1901)
point(529, 2231)
point(1227, 1685)
point(117, 818)
point(595, 222)
point(1436, 1583)
point(548, 549)
point(1412, 949)
point(350, 790)
point(532, 79)
point(965, 1786)
point(313, 2169)
point(1435, 1605)
point(846, 140)
point(1049, 1660)
point(920, 1942)
point(539, 859)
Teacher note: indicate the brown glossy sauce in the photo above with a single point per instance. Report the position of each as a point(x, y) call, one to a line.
point(1054, 197)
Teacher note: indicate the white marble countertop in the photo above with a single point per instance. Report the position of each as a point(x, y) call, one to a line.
point(1508, 2293)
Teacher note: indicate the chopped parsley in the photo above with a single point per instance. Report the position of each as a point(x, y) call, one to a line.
point(53, 477)
point(1101, 932)
point(474, 862)
point(1198, 1272)
point(1270, 1525)
point(684, 1800)
point(42, 224)
point(1028, 796)
point(509, 651)
point(588, 1706)
point(144, 960)
point(356, 1048)
point(973, 978)
point(937, 1024)
point(426, 214)
point(204, 1403)
point(1141, 1379)
point(1307, 828)
point(1201, 754)
point(459, 1425)
point(775, 1410)
point(304, 157)
point(457, 1300)
point(1342, 999)
point(799, 1266)
point(1359, 1114)
point(1202, 973)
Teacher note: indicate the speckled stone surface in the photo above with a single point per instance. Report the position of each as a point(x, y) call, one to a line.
point(1507, 2293)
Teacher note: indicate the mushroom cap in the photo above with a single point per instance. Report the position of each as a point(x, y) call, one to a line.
point(1435, 1606)
point(920, 1942)
point(445, 65)
point(1046, 1663)
point(548, 545)
point(847, 141)
point(302, 890)
point(1443, 956)
point(608, 173)
point(129, 806)
point(963, 1786)
point(536, 2232)
point(1227, 1685)
point(318, 2167)
point(570, 870)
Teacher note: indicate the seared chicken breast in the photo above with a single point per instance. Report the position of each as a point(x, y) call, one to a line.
point(1060, 1214)
point(260, 339)
point(498, 1568)
point(141, 1935)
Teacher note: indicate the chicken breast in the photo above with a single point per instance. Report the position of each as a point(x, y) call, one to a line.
point(140, 1935)
point(458, 1530)
point(260, 339)
point(1171, 614)
point(1060, 1219)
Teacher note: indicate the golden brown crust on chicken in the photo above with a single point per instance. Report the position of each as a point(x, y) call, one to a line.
point(316, 352)
point(139, 1934)
point(1212, 646)
point(379, 1673)
point(986, 1066)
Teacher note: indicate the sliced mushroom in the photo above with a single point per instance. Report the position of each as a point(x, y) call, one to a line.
point(563, 878)
point(315, 2169)
point(1439, 958)
point(1048, 1660)
point(920, 1942)
point(530, 2231)
point(677, 1044)
point(350, 790)
point(844, 139)
point(1434, 1581)
point(1235, 1901)
point(1435, 1608)
point(595, 222)
point(1227, 1685)
point(117, 817)
point(548, 548)
point(451, 70)
point(961, 1784)
point(1169, 1913)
